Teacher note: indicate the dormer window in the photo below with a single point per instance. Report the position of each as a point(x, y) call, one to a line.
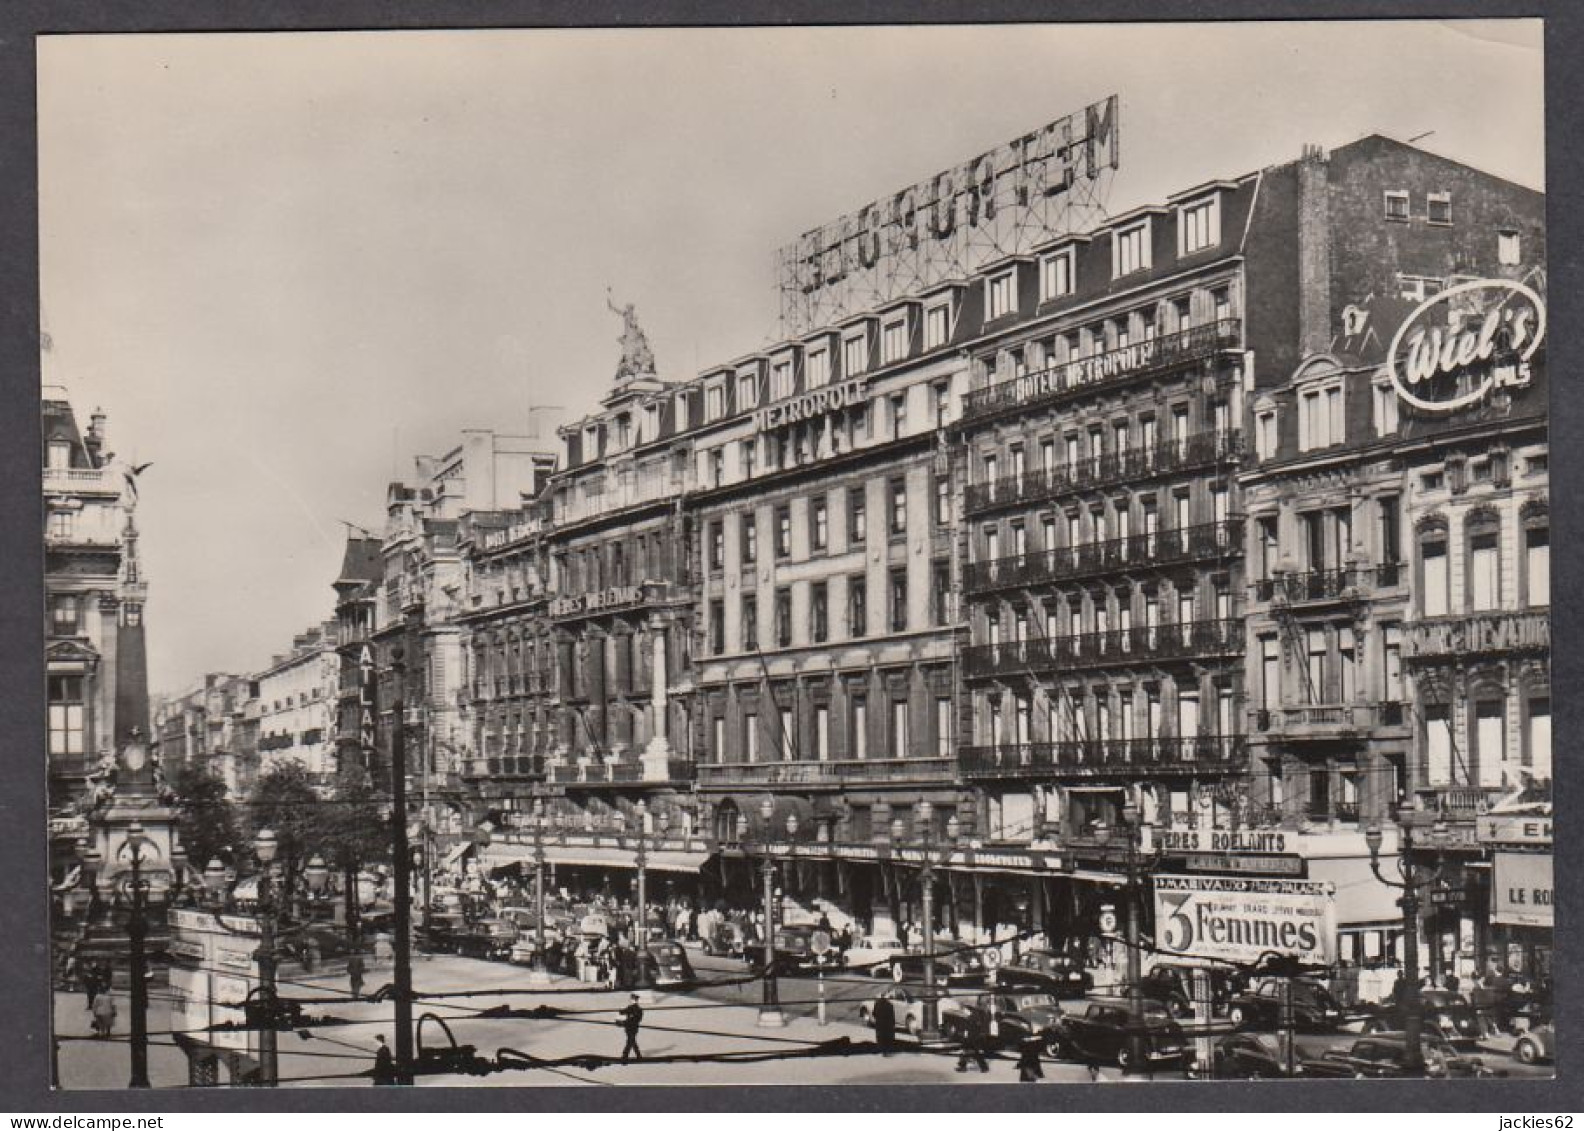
point(1199, 225)
point(623, 432)
point(715, 402)
point(1320, 415)
point(591, 443)
point(781, 380)
point(855, 353)
point(1001, 294)
point(651, 423)
point(937, 326)
point(894, 341)
point(682, 421)
point(1507, 247)
point(59, 455)
point(1057, 274)
point(819, 367)
point(1130, 249)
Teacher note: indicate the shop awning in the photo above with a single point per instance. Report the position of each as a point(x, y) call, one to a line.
point(1360, 897)
point(657, 860)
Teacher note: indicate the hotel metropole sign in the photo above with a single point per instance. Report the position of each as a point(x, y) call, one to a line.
point(1035, 188)
point(811, 405)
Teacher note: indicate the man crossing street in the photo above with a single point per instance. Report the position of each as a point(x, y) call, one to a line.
point(631, 1021)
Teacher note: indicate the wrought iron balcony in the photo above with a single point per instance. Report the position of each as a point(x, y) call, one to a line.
point(677, 769)
point(822, 773)
point(1136, 757)
point(1489, 633)
point(1167, 457)
point(1346, 583)
point(1100, 370)
point(1176, 546)
point(1327, 721)
point(1140, 644)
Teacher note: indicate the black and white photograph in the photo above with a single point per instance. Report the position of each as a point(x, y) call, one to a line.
point(894, 555)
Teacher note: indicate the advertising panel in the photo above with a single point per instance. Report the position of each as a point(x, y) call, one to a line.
point(1522, 892)
point(1210, 917)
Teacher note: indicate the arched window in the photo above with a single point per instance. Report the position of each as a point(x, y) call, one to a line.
point(1434, 574)
point(1482, 566)
point(1536, 575)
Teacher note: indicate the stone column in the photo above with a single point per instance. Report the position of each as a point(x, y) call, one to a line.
point(657, 754)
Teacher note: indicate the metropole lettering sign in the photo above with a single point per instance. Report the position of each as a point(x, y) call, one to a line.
point(1035, 188)
point(811, 405)
point(1238, 920)
point(1461, 345)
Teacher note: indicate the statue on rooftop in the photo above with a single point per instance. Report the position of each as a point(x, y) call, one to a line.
point(637, 359)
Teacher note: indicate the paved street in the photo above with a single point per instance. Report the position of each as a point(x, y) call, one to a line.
point(708, 1023)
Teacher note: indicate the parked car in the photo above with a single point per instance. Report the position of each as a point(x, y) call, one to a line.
point(1261, 1005)
point(486, 938)
point(1104, 1032)
point(1537, 1044)
point(1445, 1013)
point(956, 968)
point(669, 965)
point(1385, 1055)
point(1173, 987)
point(873, 955)
point(1048, 971)
point(1259, 1056)
point(794, 952)
point(441, 934)
point(908, 1004)
point(726, 941)
point(1009, 1018)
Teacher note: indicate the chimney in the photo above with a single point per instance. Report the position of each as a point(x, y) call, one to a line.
point(94, 440)
point(1314, 252)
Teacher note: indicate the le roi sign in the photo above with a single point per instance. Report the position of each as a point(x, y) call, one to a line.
point(1463, 344)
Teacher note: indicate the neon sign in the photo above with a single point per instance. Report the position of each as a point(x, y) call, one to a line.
point(1489, 331)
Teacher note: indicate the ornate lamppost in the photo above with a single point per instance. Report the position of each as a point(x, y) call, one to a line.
point(1133, 860)
point(925, 829)
point(641, 931)
point(770, 1015)
point(541, 973)
point(1411, 882)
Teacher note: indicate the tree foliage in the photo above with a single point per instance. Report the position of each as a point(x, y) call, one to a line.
point(205, 815)
point(285, 801)
point(357, 833)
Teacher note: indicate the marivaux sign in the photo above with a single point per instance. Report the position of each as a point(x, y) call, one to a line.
point(1238, 920)
point(815, 403)
point(1459, 346)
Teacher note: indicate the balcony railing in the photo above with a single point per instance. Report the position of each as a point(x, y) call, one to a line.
point(1327, 584)
point(1488, 633)
point(816, 773)
point(1211, 540)
point(1327, 720)
point(677, 769)
point(1167, 457)
point(1105, 757)
point(510, 765)
point(1460, 802)
point(1102, 369)
point(1140, 644)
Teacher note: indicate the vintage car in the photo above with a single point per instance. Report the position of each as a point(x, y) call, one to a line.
point(1006, 1018)
point(1385, 1055)
point(1446, 1014)
point(486, 938)
point(794, 952)
point(907, 1002)
point(873, 955)
point(668, 964)
point(1045, 970)
point(1314, 1010)
point(1105, 1032)
point(1260, 1056)
point(1537, 1044)
point(951, 968)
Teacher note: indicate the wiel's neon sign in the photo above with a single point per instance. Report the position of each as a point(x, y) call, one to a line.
point(1457, 347)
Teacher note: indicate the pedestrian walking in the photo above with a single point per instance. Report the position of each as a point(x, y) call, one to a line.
point(975, 1040)
point(355, 974)
point(1029, 1067)
point(885, 1025)
point(90, 984)
point(631, 1021)
point(384, 1063)
point(104, 1013)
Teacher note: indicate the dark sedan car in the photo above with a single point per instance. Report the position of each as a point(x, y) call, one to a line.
point(669, 965)
point(1008, 1018)
point(1385, 1055)
point(956, 968)
point(1262, 1005)
point(1446, 1013)
point(1259, 1056)
point(1104, 1032)
point(1048, 971)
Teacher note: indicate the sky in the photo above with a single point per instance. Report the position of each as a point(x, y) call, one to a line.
point(285, 264)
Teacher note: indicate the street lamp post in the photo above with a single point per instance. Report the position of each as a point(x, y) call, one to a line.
point(265, 847)
point(1132, 862)
point(541, 973)
point(641, 931)
point(770, 1015)
point(930, 1022)
point(1412, 882)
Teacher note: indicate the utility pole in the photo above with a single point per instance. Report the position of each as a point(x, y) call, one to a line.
point(137, 934)
point(403, 868)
